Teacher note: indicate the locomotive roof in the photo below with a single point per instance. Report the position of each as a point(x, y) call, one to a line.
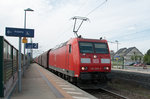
point(61, 45)
point(79, 39)
point(86, 39)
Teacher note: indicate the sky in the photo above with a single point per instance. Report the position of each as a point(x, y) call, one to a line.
point(125, 21)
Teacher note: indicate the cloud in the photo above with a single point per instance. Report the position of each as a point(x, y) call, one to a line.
point(52, 24)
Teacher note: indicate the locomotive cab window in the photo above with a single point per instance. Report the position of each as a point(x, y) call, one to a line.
point(86, 47)
point(101, 48)
point(69, 48)
point(93, 47)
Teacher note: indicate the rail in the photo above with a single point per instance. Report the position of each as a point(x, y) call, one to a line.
point(111, 94)
point(103, 93)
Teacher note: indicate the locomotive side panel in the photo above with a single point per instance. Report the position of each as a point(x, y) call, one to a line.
point(61, 60)
point(57, 60)
point(75, 58)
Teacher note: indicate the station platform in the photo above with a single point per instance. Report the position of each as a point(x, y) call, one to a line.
point(39, 83)
point(135, 70)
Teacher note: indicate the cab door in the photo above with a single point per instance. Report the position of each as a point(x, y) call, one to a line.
point(68, 56)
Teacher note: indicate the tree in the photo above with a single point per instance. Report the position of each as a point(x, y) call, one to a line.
point(147, 57)
point(148, 52)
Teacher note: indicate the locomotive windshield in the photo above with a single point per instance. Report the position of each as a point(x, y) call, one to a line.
point(101, 48)
point(86, 47)
point(91, 47)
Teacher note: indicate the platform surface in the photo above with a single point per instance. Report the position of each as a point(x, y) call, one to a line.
point(135, 70)
point(39, 83)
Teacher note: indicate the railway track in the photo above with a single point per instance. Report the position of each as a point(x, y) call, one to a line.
point(102, 93)
point(99, 92)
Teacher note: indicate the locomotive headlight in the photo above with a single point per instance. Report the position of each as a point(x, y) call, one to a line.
point(84, 68)
point(106, 68)
point(95, 56)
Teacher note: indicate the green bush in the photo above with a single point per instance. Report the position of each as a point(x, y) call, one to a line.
point(147, 57)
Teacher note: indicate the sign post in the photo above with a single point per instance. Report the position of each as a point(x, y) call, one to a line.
point(31, 46)
point(19, 32)
point(19, 62)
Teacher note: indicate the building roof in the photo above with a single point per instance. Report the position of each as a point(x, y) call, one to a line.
point(120, 51)
point(125, 51)
point(128, 50)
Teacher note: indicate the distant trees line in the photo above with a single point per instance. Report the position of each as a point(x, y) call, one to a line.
point(147, 57)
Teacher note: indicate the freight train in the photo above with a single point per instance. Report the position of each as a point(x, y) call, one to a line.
point(78, 60)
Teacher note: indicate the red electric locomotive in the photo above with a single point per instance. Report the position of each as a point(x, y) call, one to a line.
point(81, 59)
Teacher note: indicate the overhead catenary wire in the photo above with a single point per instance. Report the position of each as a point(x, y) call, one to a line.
point(131, 39)
point(122, 30)
point(80, 8)
point(69, 27)
point(81, 18)
point(133, 33)
point(96, 8)
point(90, 12)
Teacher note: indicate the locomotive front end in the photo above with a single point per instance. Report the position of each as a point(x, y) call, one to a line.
point(95, 60)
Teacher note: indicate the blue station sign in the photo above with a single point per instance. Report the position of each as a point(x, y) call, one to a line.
point(19, 32)
point(31, 45)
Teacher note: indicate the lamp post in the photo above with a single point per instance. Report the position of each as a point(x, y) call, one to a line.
point(117, 51)
point(117, 44)
point(28, 9)
point(19, 84)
